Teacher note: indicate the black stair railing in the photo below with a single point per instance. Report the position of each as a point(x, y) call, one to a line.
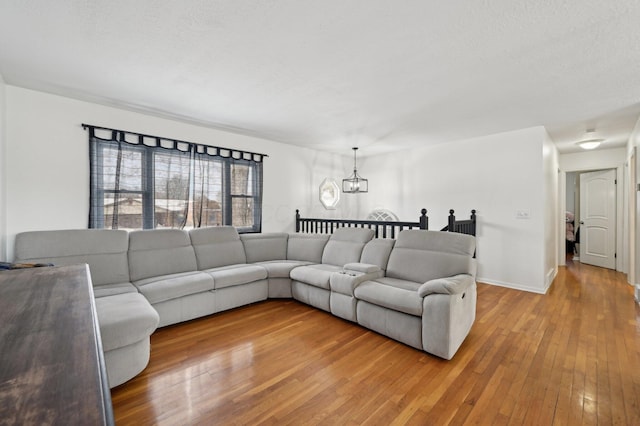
point(382, 229)
point(467, 226)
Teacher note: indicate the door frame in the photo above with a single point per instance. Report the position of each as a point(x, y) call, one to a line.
point(631, 217)
point(621, 213)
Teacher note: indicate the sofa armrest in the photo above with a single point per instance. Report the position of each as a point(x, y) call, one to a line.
point(450, 285)
point(365, 268)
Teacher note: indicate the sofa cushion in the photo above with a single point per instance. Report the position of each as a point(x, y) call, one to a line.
point(227, 276)
point(345, 246)
point(421, 256)
point(307, 248)
point(104, 250)
point(158, 252)
point(281, 268)
point(172, 286)
point(265, 247)
point(399, 295)
point(217, 246)
point(113, 289)
point(315, 275)
point(125, 319)
point(377, 251)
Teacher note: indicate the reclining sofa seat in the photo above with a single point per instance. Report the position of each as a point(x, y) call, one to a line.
point(125, 317)
point(310, 284)
point(372, 265)
point(220, 254)
point(428, 297)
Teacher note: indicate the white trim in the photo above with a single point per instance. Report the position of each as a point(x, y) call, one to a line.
point(562, 208)
point(512, 285)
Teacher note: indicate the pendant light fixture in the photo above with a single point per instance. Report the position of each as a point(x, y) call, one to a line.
point(355, 184)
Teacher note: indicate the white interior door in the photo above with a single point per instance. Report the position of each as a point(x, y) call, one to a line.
point(598, 218)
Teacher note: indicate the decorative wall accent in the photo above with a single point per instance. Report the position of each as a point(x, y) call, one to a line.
point(329, 194)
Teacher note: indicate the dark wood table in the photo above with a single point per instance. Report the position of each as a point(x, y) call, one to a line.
point(51, 359)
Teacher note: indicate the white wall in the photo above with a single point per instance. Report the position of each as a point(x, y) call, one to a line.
point(3, 201)
point(47, 185)
point(592, 160)
point(47, 172)
point(498, 175)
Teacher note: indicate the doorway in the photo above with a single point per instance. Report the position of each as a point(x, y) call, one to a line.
point(591, 215)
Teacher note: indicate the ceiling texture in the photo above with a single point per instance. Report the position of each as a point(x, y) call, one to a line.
point(331, 74)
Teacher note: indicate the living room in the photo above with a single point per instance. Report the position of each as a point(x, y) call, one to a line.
point(499, 142)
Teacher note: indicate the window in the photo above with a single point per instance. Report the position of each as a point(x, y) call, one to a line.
point(383, 215)
point(143, 182)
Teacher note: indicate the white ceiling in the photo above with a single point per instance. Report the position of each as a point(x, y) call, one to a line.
point(332, 74)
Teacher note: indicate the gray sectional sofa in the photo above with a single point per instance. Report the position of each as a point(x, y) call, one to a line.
point(419, 289)
point(125, 317)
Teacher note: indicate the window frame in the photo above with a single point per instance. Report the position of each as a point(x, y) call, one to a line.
point(98, 147)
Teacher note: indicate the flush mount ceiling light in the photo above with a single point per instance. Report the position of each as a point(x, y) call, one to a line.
point(590, 140)
point(355, 184)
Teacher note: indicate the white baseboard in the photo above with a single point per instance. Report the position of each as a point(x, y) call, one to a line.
point(512, 285)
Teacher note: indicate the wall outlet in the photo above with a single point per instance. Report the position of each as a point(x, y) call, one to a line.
point(522, 214)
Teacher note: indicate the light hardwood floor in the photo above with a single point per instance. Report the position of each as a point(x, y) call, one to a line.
point(569, 357)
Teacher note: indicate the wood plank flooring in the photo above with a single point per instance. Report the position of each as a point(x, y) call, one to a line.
point(569, 357)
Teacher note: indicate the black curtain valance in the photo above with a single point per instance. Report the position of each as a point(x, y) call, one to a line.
point(135, 138)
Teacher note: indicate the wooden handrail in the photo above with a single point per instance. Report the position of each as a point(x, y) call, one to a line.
point(382, 229)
